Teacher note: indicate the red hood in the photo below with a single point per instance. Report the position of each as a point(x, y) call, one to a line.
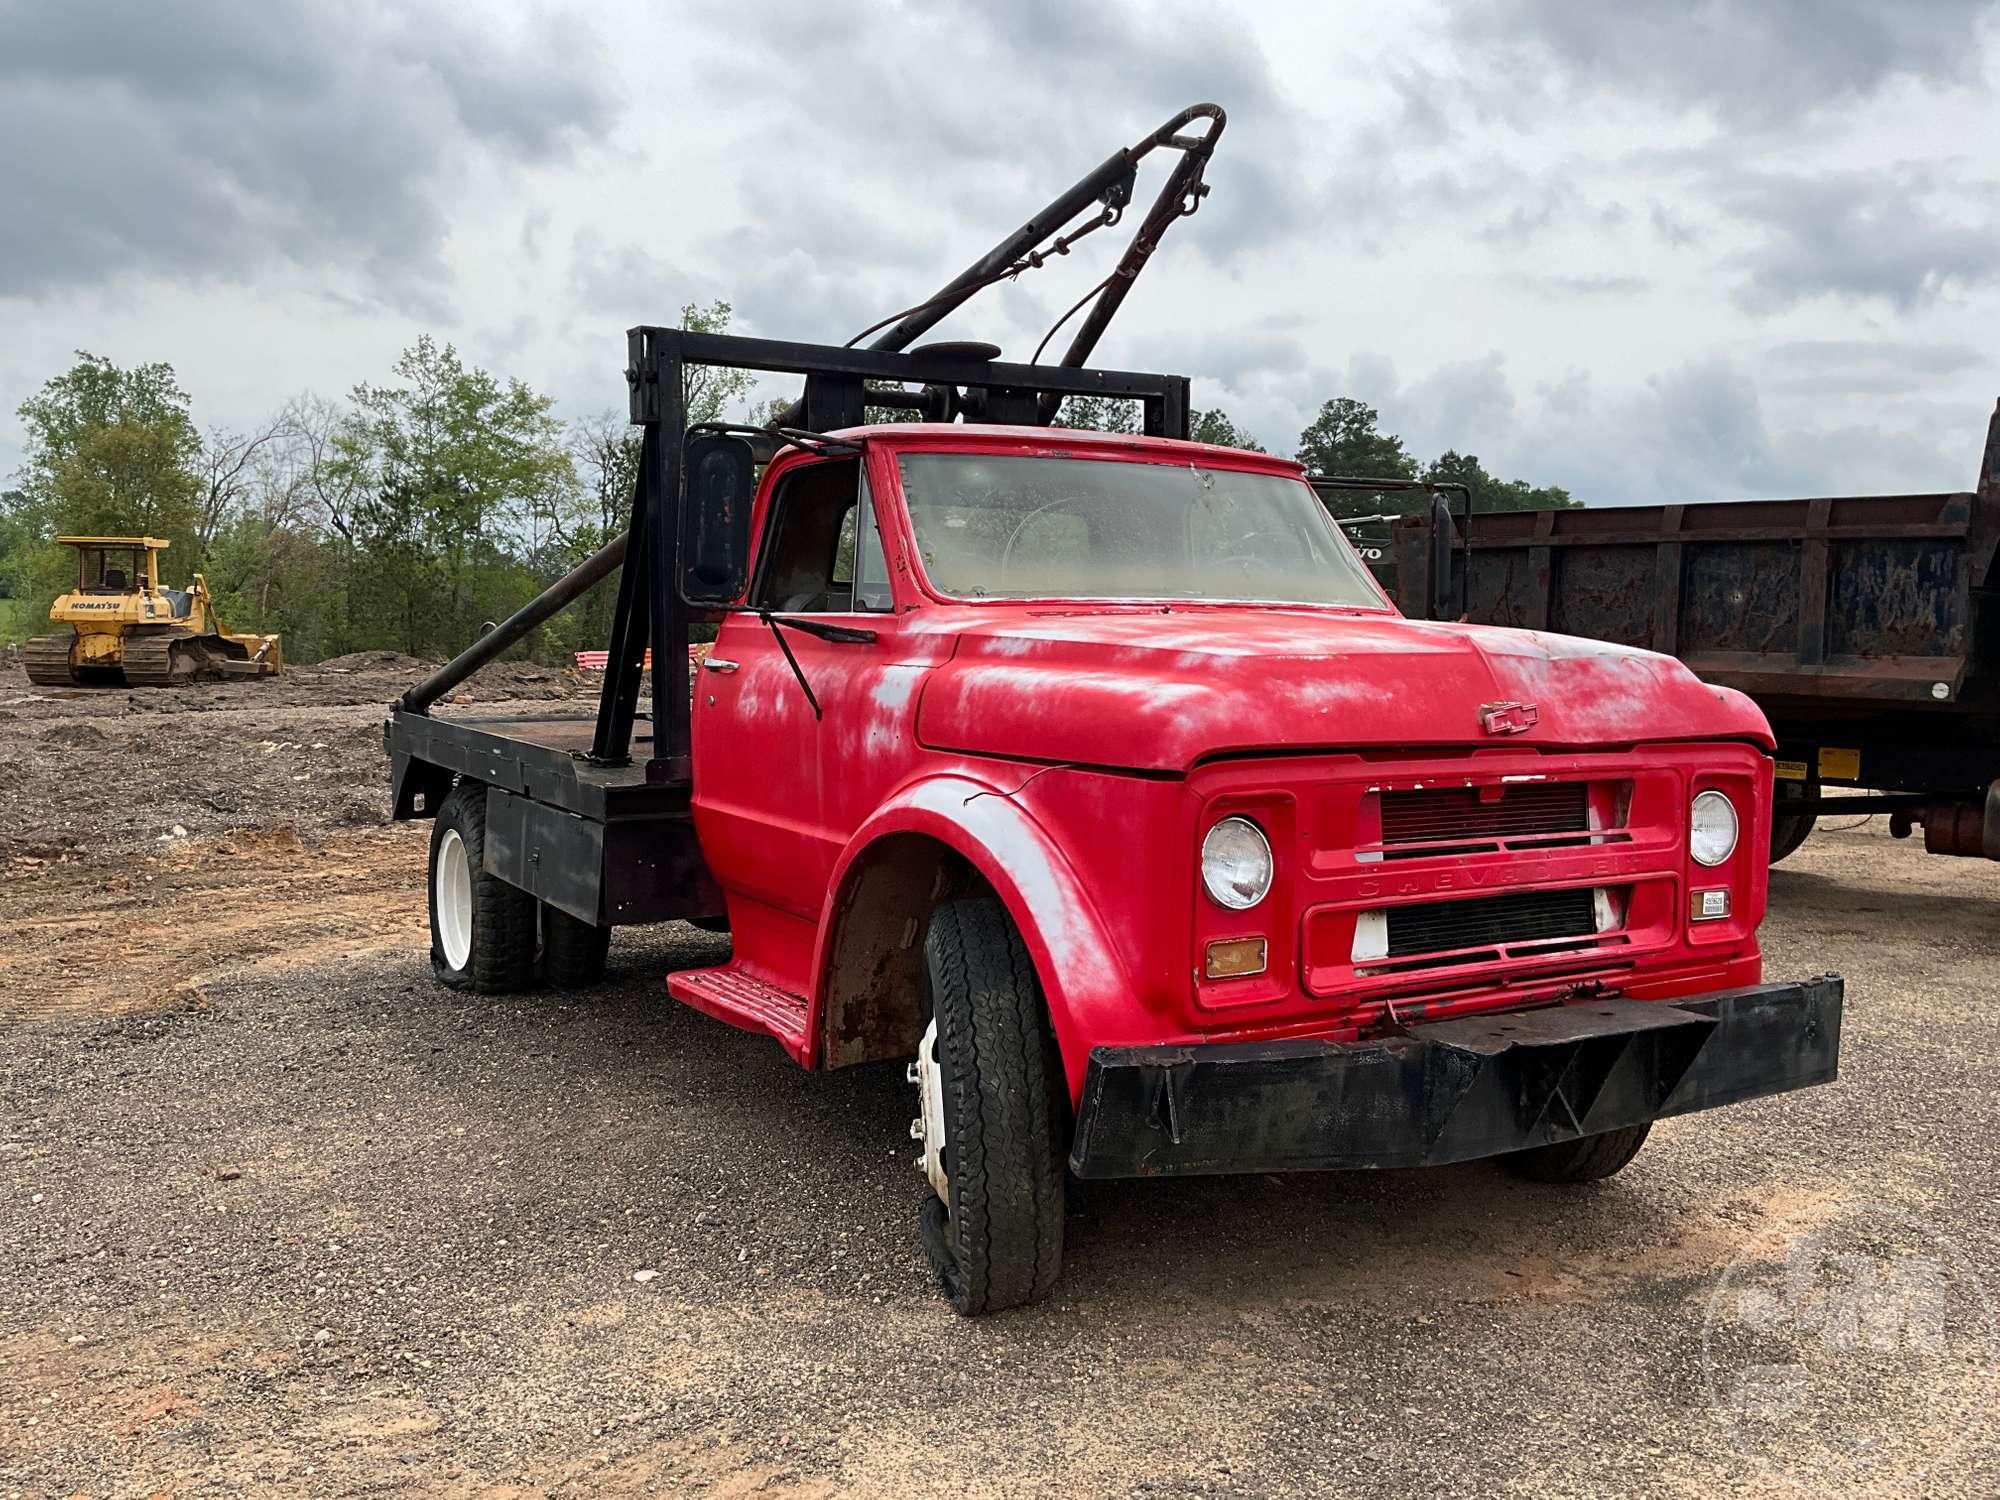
point(1152, 690)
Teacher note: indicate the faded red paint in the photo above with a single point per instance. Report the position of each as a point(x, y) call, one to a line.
point(1075, 752)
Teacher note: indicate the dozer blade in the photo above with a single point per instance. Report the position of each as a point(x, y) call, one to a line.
point(230, 666)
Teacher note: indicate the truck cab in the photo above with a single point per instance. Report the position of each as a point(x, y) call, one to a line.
point(1098, 775)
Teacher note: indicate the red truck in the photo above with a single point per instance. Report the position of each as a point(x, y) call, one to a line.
point(1097, 773)
point(1098, 776)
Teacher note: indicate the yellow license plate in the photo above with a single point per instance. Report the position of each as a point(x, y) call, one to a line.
point(1839, 765)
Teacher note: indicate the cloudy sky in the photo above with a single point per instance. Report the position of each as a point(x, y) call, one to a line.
point(1649, 252)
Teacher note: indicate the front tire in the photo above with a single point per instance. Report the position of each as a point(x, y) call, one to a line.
point(1588, 1158)
point(996, 1238)
point(482, 929)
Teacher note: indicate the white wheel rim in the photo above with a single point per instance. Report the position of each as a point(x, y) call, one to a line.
point(928, 1126)
point(451, 899)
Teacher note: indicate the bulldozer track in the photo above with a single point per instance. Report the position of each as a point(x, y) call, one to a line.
point(161, 660)
point(47, 659)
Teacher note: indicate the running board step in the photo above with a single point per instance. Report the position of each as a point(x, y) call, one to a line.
point(741, 999)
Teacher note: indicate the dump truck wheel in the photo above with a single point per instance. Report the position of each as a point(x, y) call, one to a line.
point(1789, 830)
point(573, 952)
point(991, 1084)
point(1588, 1158)
point(482, 929)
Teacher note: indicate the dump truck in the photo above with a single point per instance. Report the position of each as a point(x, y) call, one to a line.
point(1092, 778)
point(1863, 626)
point(122, 629)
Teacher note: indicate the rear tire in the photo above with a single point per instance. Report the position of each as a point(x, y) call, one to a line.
point(1588, 1158)
point(998, 1242)
point(574, 953)
point(482, 929)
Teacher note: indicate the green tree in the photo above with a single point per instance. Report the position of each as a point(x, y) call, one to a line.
point(449, 467)
point(1344, 440)
point(707, 390)
point(1214, 426)
point(1099, 414)
point(93, 394)
point(110, 451)
point(604, 457)
point(1491, 493)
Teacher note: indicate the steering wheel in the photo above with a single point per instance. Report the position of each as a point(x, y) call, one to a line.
point(1014, 536)
point(1250, 562)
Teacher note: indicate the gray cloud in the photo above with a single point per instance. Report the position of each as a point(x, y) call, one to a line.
point(1583, 284)
point(1704, 430)
point(208, 139)
point(1751, 63)
point(1018, 100)
point(1431, 191)
point(1862, 367)
point(1671, 226)
point(1904, 234)
point(1701, 430)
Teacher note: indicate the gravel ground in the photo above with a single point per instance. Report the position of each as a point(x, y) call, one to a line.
point(326, 1228)
point(157, 838)
point(96, 771)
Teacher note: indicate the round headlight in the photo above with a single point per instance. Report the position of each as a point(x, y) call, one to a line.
point(1236, 864)
point(1712, 829)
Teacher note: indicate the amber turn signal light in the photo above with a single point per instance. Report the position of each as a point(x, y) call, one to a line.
point(1234, 958)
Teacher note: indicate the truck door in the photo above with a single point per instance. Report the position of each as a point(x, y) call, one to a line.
point(778, 788)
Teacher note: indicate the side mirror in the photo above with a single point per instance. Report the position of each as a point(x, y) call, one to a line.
point(715, 519)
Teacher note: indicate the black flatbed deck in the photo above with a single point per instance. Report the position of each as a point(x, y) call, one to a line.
point(602, 842)
point(540, 757)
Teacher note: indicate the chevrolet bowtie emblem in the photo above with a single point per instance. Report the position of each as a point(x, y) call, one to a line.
point(1508, 718)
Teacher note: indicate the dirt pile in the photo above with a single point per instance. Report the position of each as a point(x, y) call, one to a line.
point(103, 772)
point(375, 661)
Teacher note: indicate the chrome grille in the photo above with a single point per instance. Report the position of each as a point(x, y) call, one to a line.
point(1461, 814)
point(1490, 921)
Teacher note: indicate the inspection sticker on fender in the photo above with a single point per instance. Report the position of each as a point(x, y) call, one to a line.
point(1839, 765)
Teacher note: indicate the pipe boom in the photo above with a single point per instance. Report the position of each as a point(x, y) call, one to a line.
point(557, 596)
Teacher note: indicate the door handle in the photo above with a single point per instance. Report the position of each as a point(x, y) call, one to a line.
point(717, 664)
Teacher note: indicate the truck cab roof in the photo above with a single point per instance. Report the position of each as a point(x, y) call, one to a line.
point(983, 437)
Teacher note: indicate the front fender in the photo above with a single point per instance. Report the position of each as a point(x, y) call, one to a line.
point(1088, 992)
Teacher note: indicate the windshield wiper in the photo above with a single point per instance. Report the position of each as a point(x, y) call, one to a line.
point(850, 634)
point(819, 628)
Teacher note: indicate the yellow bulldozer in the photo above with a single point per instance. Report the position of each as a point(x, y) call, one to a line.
point(122, 627)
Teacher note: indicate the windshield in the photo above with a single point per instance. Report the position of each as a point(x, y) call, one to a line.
point(110, 570)
point(1018, 527)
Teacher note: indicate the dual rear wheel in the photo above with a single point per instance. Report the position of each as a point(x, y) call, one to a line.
point(491, 937)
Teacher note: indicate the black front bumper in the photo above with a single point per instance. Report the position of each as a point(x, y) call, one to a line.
point(1449, 1090)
